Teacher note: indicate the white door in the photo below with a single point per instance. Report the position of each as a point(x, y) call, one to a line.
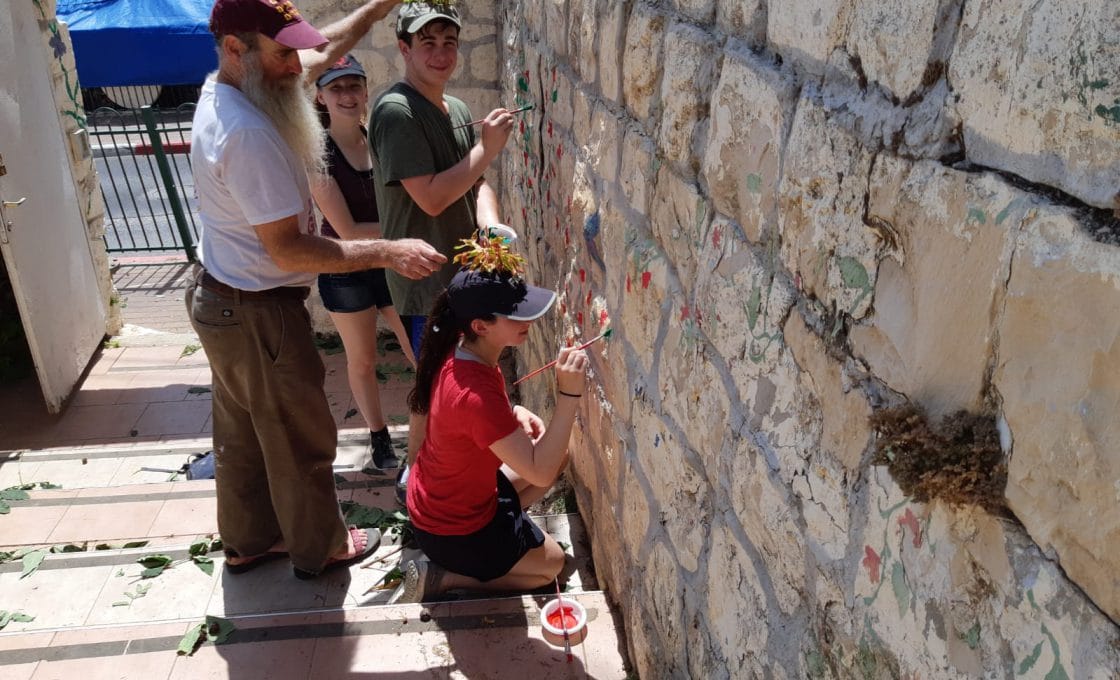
point(42, 231)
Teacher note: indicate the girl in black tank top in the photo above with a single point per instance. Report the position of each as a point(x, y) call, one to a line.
point(345, 197)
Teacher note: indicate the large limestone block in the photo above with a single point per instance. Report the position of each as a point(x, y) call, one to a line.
point(752, 108)
point(699, 11)
point(825, 244)
point(932, 334)
point(897, 41)
point(612, 35)
point(583, 29)
point(682, 222)
point(638, 173)
point(641, 60)
point(484, 62)
point(765, 520)
point(677, 491)
point(736, 608)
point(554, 31)
point(1039, 92)
point(1059, 377)
point(690, 63)
point(745, 19)
point(843, 409)
point(808, 32)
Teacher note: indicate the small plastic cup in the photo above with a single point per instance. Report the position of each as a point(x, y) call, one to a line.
point(501, 231)
point(574, 619)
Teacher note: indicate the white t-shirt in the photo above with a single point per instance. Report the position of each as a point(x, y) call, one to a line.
point(245, 174)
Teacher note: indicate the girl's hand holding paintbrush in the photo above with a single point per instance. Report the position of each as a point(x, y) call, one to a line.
point(571, 372)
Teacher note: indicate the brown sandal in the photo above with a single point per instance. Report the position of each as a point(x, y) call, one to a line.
point(373, 541)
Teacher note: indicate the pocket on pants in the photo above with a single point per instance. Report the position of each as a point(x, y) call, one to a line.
point(213, 311)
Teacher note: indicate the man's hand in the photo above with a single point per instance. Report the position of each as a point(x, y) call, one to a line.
point(495, 130)
point(413, 258)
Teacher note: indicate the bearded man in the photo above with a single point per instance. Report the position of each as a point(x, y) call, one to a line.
point(256, 136)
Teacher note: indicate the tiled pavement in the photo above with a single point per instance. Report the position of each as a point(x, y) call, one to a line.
point(142, 410)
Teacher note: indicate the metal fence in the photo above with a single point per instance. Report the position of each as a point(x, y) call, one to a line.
point(142, 154)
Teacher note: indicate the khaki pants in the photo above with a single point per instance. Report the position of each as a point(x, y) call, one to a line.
point(274, 435)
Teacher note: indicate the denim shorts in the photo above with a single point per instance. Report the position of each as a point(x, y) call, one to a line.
point(355, 291)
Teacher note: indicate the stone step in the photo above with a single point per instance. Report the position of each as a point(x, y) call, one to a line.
point(92, 587)
point(491, 638)
point(115, 465)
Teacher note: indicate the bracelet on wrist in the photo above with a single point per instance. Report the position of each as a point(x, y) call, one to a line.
point(569, 394)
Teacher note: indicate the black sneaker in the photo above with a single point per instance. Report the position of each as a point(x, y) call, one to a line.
point(381, 449)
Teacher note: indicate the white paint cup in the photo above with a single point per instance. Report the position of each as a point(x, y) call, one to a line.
point(553, 634)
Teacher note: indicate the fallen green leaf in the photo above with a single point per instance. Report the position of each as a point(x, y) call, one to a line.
point(361, 516)
point(198, 389)
point(122, 603)
point(135, 544)
point(219, 629)
point(14, 494)
point(31, 562)
point(7, 617)
point(191, 640)
point(68, 548)
point(4, 508)
point(153, 561)
point(206, 564)
point(48, 485)
point(200, 547)
point(152, 572)
point(190, 349)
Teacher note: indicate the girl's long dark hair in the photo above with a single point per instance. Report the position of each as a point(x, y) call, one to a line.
point(441, 334)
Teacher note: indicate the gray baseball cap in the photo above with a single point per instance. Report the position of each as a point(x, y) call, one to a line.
point(416, 15)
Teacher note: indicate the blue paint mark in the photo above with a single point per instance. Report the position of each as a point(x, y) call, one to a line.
point(591, 226)
point(656, 440)
point(590, 231)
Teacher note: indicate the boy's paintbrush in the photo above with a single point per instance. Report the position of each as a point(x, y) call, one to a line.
point(604, 334)
point(480, 120)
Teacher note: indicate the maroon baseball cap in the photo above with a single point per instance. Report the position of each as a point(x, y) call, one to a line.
point(276, 19)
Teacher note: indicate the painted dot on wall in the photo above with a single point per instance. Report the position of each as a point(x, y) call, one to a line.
point(628, 283)
point(646, 276)
point(582, 275)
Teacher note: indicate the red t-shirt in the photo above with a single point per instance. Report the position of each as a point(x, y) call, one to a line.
point(452, 488)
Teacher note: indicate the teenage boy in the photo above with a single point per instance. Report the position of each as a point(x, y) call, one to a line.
point(429, 162)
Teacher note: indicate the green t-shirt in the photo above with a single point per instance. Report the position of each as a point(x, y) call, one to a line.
point(411, 137)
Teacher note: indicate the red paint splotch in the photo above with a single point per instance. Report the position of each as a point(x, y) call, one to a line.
point(628, 289)
point(646, 276)
point(873, 562)
point(582, 275)
point(603, 317)
point(579, 318)
point(717, 234)
point(910, 521)
point(587, 301)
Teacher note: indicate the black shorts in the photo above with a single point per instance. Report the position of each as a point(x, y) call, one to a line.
point(491, 551)
point(355, 292)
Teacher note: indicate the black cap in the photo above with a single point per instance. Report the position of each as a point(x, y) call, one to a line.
point(474, 294)
point(346, 66)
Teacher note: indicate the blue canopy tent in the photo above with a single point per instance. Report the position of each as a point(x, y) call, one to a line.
point(140, 42)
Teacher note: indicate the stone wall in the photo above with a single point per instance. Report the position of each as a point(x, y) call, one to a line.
point(792, 215)
point(68, 96)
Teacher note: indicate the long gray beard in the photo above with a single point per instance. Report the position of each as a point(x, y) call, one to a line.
point(288, 105)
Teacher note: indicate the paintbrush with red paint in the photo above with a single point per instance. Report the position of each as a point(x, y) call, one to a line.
point(563, 621)
point(604, 334)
